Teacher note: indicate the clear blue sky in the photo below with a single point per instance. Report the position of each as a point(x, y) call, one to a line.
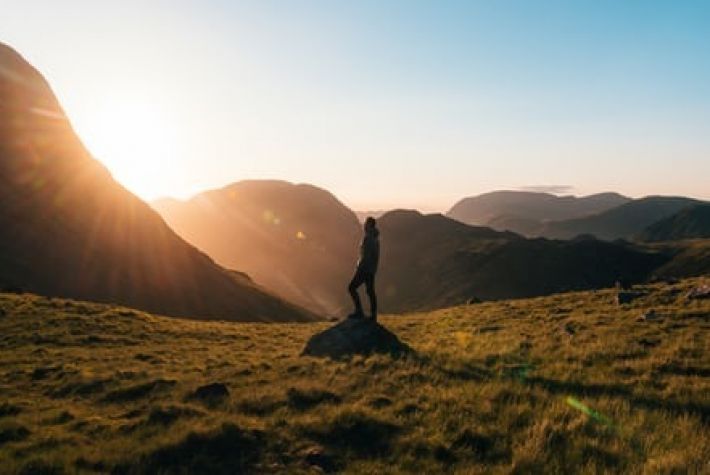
point(385, 103)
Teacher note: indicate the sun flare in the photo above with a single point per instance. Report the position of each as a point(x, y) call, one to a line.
point(134, 138)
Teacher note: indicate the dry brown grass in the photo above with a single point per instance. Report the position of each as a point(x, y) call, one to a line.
point(561, 384)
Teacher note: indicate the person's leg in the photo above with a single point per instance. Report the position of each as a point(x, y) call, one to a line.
point(370, 285)
point(356, 282)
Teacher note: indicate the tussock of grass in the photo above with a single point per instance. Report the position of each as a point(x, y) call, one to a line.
point(138, 391)
point(561, 384)
point(307, 398)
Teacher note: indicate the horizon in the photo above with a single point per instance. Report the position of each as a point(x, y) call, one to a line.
point(403, 105)
point(424, 210)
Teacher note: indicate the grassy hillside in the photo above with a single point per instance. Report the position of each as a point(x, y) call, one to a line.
point(560, 384)
point(690, 257)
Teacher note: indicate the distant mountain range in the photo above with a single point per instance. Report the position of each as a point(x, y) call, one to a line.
point(297, 240)
point(622, 222)
point(689, 223)
point(68, 229)
point(431, 261)
point(500, 209)
point(607, 216)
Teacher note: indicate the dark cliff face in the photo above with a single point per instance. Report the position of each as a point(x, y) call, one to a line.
point(68, 229)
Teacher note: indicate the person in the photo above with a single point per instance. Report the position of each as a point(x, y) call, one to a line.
point(366, 270)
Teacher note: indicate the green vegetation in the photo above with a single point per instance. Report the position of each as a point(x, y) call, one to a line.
point(559, 384)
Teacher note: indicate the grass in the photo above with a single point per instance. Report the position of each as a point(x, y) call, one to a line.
point(570, 383)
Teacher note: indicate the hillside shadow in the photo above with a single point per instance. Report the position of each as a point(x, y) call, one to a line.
point(355, 337)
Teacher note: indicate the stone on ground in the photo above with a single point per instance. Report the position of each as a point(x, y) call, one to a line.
point(354, 337)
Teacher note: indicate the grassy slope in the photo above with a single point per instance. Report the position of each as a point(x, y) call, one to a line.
point(494, 387)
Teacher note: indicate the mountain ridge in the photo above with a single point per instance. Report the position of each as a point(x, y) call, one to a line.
point(689, 223)
point(534, 207)
point(69, 229)
point(622, 222)
point(298, 240)
point(430, 261)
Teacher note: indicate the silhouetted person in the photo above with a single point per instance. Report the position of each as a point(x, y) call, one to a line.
point(366, 269)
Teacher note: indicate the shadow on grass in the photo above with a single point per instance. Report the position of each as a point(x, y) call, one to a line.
point(701, 410)
point(13, 433)
point(357, 432)
point(138, 391)
point(493, 448)
point(226, 450)
point(680, 370)
point(304, 399)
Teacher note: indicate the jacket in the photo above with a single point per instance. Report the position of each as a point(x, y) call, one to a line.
point(369, 252)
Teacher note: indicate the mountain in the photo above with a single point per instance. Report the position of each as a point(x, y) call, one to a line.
point(68, 229)
point(622, 222)
point(688, 223)
point(297, 240)
point(430, 261)
point(524, 212)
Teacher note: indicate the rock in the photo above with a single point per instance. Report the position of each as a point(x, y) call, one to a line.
point(473, 301)
point(211, 393)
point(700, 292)
point(354, 336)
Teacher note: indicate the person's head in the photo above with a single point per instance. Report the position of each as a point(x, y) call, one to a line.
point(370, 224)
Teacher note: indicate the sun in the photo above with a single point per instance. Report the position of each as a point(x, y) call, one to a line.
point(135, 139)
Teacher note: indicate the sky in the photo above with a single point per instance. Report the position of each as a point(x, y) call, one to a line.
point(386, 103)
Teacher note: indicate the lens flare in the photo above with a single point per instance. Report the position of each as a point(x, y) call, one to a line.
point(270, 217)
point(577, 404)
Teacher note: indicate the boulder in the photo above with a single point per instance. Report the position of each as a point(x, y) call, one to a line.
point(354, 337)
